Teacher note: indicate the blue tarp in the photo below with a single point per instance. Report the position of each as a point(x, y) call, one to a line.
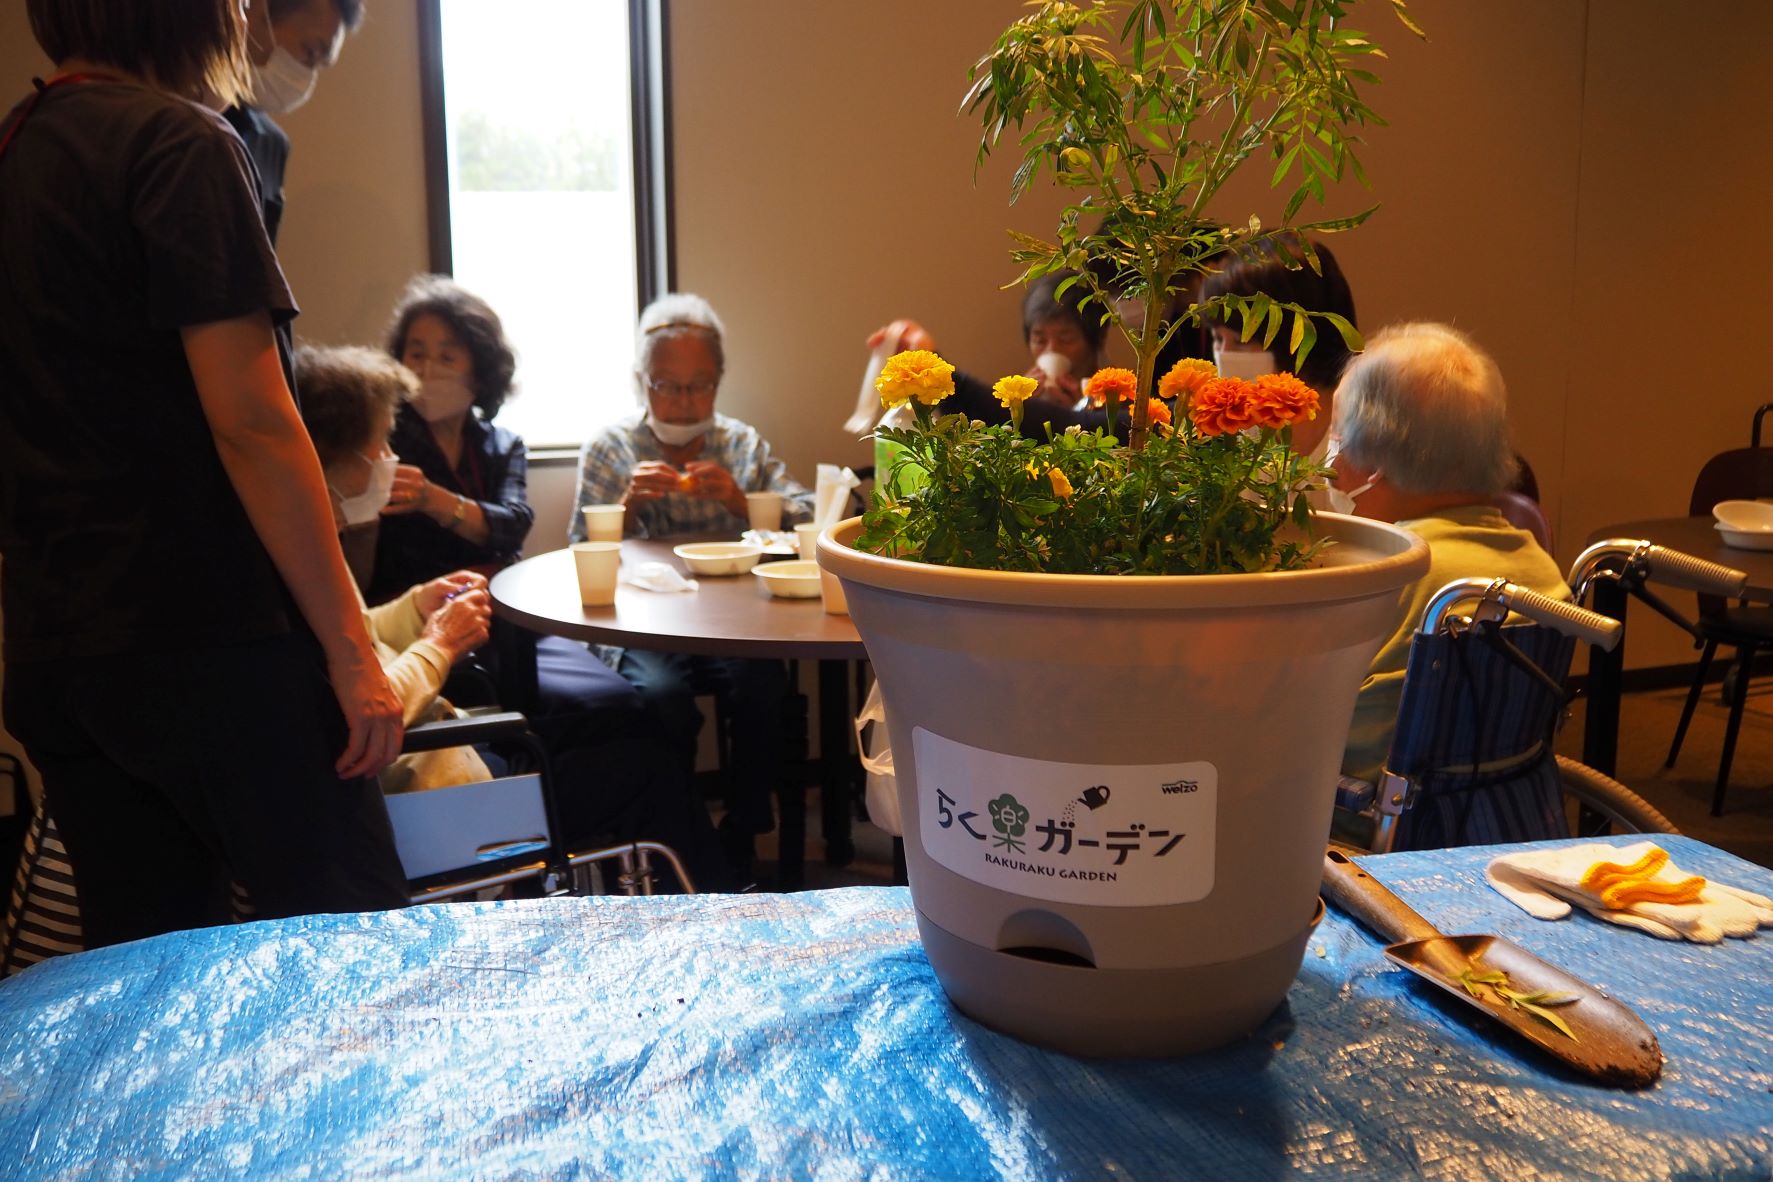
point(804, 1036)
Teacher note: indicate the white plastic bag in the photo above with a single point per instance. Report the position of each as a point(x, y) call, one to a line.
point(877, 760)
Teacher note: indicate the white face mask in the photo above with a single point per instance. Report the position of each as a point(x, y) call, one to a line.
point(282, 84)
point(678, 434)
point(1342, 500)
point(442, 398)
point(367, 505)
point(1243, 363)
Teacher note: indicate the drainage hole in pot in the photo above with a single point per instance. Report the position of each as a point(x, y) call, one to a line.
point(1050, 956)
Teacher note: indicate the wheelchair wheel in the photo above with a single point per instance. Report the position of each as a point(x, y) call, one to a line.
point(1605, 799)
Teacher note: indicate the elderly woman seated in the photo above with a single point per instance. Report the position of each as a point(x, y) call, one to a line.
point(681, 469)
point(1420, 438)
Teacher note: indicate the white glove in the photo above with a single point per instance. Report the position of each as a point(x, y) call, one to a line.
point(1635, 886)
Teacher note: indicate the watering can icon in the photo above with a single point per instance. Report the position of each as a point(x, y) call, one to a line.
point(1095, 797)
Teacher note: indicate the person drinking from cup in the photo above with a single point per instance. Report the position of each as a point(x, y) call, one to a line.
point(679, 468)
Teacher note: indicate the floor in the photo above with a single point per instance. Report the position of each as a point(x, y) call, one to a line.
point(1647, 723)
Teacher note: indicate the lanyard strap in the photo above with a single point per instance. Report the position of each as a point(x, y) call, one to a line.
point(44, 88)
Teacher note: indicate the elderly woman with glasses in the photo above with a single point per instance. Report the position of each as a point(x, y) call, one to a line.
point(1420, 438)
point(682, 469)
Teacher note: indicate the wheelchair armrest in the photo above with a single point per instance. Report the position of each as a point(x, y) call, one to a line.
point(458, 732)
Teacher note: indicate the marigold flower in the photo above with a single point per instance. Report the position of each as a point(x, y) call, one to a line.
point(1112, 382)
point(1223, 407)
point(915, 373)
point(1280, 399)
point(1014, 391)
point(1061, 486)
point(1186, 378)
point(1160, 412)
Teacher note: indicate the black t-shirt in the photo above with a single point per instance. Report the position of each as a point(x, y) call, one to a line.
point(125, 215)
point(268, 146)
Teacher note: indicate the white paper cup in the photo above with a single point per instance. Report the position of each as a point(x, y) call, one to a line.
point(806, 539)
point(764, 509)
point(831, 594)
point(603, 523)
point(597, 564)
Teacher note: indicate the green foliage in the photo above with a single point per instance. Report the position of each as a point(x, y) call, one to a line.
point(1186, 504)
point(1148, 127)
point(498, 157)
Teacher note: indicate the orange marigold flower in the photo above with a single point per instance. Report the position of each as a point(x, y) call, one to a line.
point(915, 373)
point(1223, 407)
point(1186, 378)
point(1014, 391)
point(1061, 486)
point(1112, 382)
point(1280, 399)
point(1160, 412)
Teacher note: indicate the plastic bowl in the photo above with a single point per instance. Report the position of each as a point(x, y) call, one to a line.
point(791, 580)
point(1746, 539)
point(1745, 516)
point(718, 558)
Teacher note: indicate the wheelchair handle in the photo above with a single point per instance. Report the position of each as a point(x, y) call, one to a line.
point(1497, 597)
point(1657, 564)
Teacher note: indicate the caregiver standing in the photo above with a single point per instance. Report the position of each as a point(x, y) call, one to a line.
point(186, 663)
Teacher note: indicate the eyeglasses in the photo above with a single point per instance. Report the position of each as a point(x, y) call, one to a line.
point(669, 389)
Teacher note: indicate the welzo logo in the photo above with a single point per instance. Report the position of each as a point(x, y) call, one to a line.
point(1180, 787)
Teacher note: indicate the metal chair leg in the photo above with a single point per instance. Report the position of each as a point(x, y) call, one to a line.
point(1674, 748)
point(1745, 659)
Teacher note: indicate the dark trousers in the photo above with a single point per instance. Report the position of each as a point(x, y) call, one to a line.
point(750, 693)
point(168, 774)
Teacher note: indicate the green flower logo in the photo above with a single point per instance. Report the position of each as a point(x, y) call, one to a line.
point(1010, 818)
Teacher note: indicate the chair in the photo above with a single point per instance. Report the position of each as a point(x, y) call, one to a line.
point(1741, 473)
point(1471, 761)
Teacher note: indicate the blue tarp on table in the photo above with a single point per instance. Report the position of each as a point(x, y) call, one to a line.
point(804, 1036)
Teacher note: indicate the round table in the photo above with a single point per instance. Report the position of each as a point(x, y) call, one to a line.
point(727, 616)
point(1690, 535)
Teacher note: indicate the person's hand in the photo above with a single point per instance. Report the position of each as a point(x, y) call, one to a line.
point(650, 481)
point(408, 493)
point(372, 713)
point(714, 483)
point(1055, 393)
point(431, 596)
point(462, 624)
point(903, 334)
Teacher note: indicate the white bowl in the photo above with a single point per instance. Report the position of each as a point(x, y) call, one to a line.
point(718, 558)
point(791, 580)
point(1744, 516)
point(1746, 539)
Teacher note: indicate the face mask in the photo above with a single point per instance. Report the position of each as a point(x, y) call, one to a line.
point(1242, 363)
point(367, 505)
point(442, 398)
point(678, 434)
point(282, 84)
point(1343, 502)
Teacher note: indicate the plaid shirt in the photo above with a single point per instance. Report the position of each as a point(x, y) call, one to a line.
point(609, 458)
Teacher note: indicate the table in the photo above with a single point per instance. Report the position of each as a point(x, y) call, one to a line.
point(804, 1036)
point(1690, 535)
point(724, 617)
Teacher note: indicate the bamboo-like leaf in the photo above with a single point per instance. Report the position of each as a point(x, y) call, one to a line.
point(1276, 313)
point(1300, 323)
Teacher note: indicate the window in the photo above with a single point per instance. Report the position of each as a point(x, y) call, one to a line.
point(546, 154)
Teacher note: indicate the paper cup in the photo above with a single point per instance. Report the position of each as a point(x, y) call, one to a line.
point(597, 563)
point(603, 523)
point(764, 509)
point(831, 594)
point(806, 538)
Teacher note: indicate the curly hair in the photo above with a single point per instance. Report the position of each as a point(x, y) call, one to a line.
point(473, 321)
point(346, 392)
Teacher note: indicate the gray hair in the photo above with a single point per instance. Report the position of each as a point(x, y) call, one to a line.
point(1427, 407)
point(675, 315)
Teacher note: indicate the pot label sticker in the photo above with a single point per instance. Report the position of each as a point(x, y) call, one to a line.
point(1117, 835)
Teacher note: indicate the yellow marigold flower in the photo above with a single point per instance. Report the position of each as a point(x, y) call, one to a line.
point(1112, 382)
point(1280, 399)
point(1186, 378)
point(1160, 412)
point(1014, 391)
point(1061, 486)
point(915, 373)
point(1223, 407)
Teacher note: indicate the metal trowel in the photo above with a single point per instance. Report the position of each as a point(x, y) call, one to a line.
point(1604, 1038)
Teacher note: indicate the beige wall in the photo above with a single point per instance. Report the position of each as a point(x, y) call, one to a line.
point(1575, 183)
